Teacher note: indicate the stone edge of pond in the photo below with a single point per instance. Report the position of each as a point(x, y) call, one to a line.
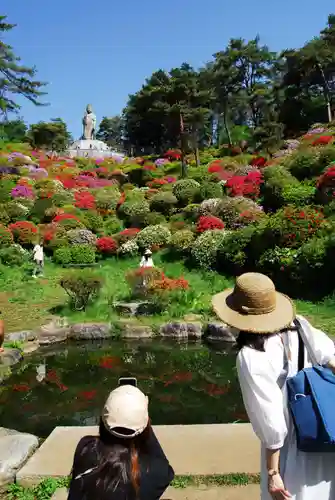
point(20, 344)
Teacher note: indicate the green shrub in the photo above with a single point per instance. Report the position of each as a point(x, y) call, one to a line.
point(298, 194)
point(325, 158)
point(233, 252)
point(238, 211)
point(163, 202)
point(210, 190)
point(191, 212)
point(81, 288)
point(134, 208)
point(63, 256)
point(93, 221)
point(186, 190)
point(16, 211)
point(68, 224)
point(82, 254)
point(181, 241)
point(4, 217)
point(154, 218)
point(6, 186)
point(38, 211)
point(200, 174)
point(141, 280)
point(151, 236)
point(62, 198)
point(205, 248)
point(304, 164)
point(14, 255)
point(112, 225)
point(107, 199)
point(276, 178)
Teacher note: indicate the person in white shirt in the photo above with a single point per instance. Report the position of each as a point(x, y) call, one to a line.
point(268, 356)
point(146, 260)
point(38, 256)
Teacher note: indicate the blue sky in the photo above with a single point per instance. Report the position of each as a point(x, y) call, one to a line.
point(100, 51)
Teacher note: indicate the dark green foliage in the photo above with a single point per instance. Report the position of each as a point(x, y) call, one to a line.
point(81, 288)
point(37, 213)
point(276, 178)
point(210, 190)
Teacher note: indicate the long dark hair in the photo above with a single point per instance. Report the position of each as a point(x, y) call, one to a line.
point(252, 340)
point(117, 461)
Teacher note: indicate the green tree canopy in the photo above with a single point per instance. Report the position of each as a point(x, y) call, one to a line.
point(52, 135)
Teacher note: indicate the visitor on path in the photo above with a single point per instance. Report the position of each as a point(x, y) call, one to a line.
point(268, 355)
point(38, 256)
point(146, 260)
point(126, 461)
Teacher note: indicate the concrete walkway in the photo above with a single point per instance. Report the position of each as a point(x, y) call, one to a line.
point(196, 450)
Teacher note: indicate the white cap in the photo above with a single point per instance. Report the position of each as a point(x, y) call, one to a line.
point(126, 407)
point(148, 252)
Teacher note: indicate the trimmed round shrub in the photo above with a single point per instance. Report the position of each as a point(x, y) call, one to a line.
point(16, 211)
point(127, 235)
point(4, 217)
point(131, 208)
point(94, 221)
point(6, 237)
point(304, 164)
point(107, 199)
point(181, 241)
point(238, 211)
point(81, 288)
point(210, 190)
point(233, 250)
point(63, 256)
point(68, 221)
point(163, 202)
point(209, 223)
point(326, 185)
point(186, 190)
point(106, 245)
point(62, 198)
point(130, 248)
point(82, 254)
point(14, 255)
point(209, 207)
point(191, 212)
point(276, 178)
point(150, 236)
point(112, 225)
point(81, 237)
point(38, 211)
point(24, 232)
point(154, 218)
point(298, 194)
point(205, 248)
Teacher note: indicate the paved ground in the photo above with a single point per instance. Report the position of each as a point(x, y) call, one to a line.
point(191, 449)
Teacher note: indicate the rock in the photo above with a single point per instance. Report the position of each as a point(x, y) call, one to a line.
point(30, 347)
point(219, 332)
point(10, 357)
point(60, 494)
point(135, 308)
point(24, 336)
point(182, 330)
point(5, 372)
point(135, 331)
point(53, 332)
point(15, 449)
point(90, 331)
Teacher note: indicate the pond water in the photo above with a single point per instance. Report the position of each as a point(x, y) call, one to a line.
point(186, 383)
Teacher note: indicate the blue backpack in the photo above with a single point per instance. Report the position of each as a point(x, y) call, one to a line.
point(311, 399)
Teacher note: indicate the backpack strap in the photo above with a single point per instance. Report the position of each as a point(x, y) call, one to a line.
point(301, 351)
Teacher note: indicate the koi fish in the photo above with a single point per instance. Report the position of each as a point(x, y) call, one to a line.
point(179, 377)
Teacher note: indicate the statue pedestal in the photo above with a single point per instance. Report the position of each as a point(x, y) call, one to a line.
point(86, 148)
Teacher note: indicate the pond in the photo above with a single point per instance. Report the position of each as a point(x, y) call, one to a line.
point(187, 384)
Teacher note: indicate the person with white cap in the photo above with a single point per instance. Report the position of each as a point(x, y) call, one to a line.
point(268, 356)
point(146, 260)
point(126, 461)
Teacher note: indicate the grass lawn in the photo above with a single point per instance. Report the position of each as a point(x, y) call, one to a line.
point(26, 303)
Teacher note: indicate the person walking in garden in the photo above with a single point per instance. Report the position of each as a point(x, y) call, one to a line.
point(38, 256)
point(126, 461)
point(146, 260)
point(268, 355)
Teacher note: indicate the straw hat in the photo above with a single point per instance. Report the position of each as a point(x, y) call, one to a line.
point(148, 252)
point(254, 305)
point(126, 408)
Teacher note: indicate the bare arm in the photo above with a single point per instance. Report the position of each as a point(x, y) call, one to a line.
point(331, 364)
point(276, 486)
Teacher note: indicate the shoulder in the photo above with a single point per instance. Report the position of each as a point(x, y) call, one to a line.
point(87, 443)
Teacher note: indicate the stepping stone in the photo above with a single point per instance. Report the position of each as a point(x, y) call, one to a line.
point(15, 449)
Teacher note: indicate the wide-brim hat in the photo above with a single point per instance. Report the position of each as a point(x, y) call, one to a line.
point(254, 305)
point(126, 409)
point(148, 252)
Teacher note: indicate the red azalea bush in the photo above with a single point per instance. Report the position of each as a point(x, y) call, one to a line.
point(296, 225)
point(259, 162)
point(323, 140)
point(107, 245)
point(151, 280)
point(326, 184)
point(24, 232)
point(6, 236)
point(245, 185)
point(156, 183)
point(169, 284)
point(173, 154)
point(62, 217)
point(127, 235)
point(84, 200)
point(208, 223)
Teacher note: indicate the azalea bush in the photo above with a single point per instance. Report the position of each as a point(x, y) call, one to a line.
point(106, 245)
point(6, 237)
point(153, 236)
point(81, 237)
point(81, 288)
point(182, 241)
point(208, 223)
point(205, 247)
point(24, 232)
point(163, 202)
point(186, 190)
point(245, 185)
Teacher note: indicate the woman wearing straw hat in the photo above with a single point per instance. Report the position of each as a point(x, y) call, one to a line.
point(268, 355)
point(126, 461)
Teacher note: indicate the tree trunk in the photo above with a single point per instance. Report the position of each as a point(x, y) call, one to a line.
point(225, 123)
point(326, 92)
